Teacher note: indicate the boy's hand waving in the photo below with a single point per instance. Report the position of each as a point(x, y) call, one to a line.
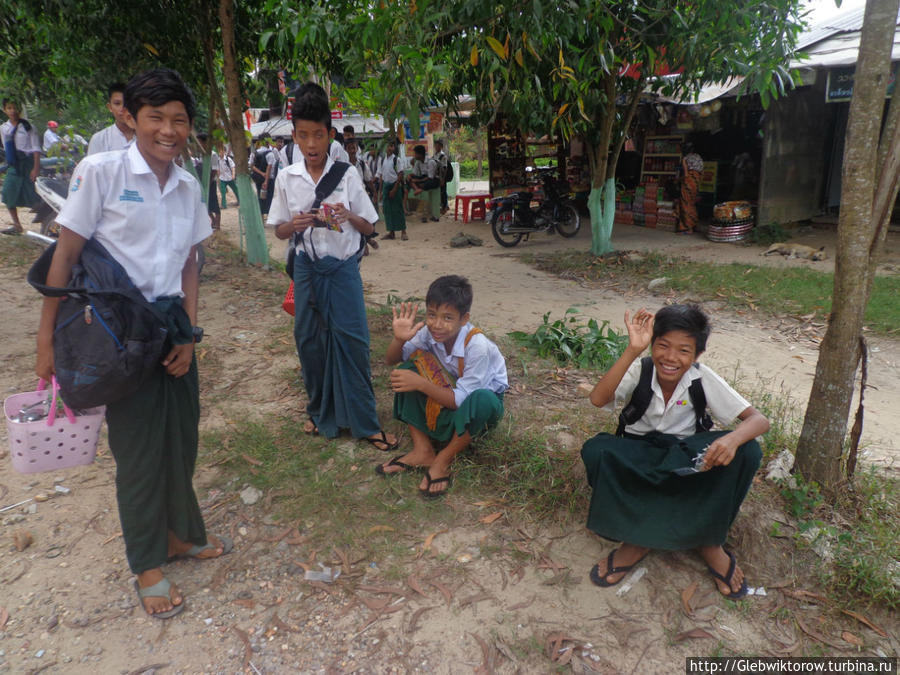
point(640, 329)
point(404, 323)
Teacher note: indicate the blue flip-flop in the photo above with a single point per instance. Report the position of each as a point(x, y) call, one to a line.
point(195, 550)
point(161, 589)
point(732, 565)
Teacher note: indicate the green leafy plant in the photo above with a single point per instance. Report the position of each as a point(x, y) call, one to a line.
point(571, 341)
point(767, 234)
point(802, 498)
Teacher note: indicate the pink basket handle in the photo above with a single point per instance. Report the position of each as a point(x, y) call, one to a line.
point(51, 416)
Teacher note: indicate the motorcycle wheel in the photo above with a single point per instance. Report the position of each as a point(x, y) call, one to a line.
point(569, 221)
point(500, 221)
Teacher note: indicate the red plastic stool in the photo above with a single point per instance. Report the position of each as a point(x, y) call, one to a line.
point(478, 210)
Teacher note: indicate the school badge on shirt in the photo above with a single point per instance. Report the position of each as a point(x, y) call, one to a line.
point(76, 184)
point(130, 196)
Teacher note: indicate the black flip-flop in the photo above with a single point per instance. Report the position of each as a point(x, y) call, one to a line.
point(427, 493)
point(601, 581)
point(11, 231)
point(395, 461)
point(732, 566)
point(388, 446)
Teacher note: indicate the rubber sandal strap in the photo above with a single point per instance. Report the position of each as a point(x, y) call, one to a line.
point(160, 589)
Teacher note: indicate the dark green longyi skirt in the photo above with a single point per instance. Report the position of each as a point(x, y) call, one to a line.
point(637, 499)
point(18, 190)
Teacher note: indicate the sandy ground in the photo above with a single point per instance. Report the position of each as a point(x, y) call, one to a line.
point(485, 597)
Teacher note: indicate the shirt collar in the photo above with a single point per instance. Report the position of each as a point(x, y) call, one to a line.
point(139, 166)
point(298, 168)
point(683, 385)
point(459, 345)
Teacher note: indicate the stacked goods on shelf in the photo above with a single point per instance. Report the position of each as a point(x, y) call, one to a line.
point(624, 203)
point(638, 206)
point(650, 204)
point(665, 216)
point(732, 221)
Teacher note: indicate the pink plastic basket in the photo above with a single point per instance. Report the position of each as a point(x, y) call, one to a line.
point(51, 443)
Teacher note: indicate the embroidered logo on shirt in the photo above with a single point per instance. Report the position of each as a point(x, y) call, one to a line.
point(130, 196)
point(76, 184)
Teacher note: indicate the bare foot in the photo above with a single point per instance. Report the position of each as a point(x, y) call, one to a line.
point(415, 457)
point(309, 427)
point(437, 470)
point(627, 555)
point(717, 559)
point(156, 604)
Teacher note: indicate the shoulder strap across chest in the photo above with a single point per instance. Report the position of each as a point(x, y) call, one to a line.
point(472, 333)
point(642, 395)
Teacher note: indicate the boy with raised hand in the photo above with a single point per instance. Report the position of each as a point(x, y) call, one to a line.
point(322, 206)
point(147, 213)
point(118, 135)
point(450, 385)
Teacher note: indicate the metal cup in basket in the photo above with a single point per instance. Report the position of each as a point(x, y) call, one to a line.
point(40, 440)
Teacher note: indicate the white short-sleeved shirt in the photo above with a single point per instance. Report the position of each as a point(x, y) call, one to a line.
point(388, 171)
point(295, 192)
point(26, 141)
point(425, 169)
point(115, 198)
point(374, 161)
point(337, 153)
point(110, 138)
point(51, 138)
point(441, 159)
point(226, 168)
point(363, 169)
point(483, 365)
point(678, 418)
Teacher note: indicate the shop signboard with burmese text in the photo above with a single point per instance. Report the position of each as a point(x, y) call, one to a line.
point(839, 86)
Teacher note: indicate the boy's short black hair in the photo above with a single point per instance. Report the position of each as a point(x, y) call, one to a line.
point(115, 87)
point(348, 129)
point(311, 104)
point(687, 318)
point(438, 141)
point(203, 137)
point(419, 149)
point(157, 87)
point(452, 290)
point(10, 100)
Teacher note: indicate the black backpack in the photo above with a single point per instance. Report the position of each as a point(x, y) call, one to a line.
point(640, 401)
point(325, 187)
point(448, 172)
point(107, 338)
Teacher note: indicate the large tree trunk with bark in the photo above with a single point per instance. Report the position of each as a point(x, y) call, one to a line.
point(861, 229)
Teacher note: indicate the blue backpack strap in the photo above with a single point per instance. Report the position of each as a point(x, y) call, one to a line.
point(703, 422)
point(640, 397)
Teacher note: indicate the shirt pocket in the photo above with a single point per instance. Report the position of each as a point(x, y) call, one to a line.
point(180, 234)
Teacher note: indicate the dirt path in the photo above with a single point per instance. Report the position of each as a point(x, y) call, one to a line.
point(505, 596)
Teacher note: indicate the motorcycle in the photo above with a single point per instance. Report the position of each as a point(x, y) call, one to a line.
point(512, 216)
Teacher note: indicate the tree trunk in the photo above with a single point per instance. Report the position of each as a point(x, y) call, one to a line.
point(820, 449)
point(251, 224)
point(602, 199)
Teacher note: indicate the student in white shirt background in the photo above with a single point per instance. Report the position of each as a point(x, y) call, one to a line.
point(117, 135)
point(23, 155)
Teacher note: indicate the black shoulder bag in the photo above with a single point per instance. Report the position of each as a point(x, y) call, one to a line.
point(107, 337)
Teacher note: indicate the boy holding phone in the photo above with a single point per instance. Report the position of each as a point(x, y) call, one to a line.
point(327, 232)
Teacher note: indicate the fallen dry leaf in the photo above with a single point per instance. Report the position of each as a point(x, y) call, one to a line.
point(448, 596)
point(693, 633)
point(686, 596)
point(413, 622)
point(864, 620)
point(381, 528)
point(413, 582)
point(251, 460)
point(851, 638)
point(4, 617)
point(487, 520)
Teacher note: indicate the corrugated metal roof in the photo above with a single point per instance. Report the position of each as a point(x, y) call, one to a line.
point(847, 21)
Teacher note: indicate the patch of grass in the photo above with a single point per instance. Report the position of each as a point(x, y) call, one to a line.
point(19, 251)
point(865, 560)
point(775, 291)
point(569, 341)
